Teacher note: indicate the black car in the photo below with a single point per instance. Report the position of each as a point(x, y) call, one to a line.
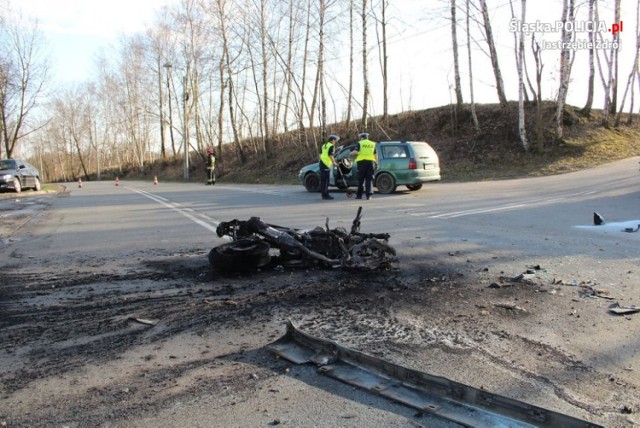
point(17, 174)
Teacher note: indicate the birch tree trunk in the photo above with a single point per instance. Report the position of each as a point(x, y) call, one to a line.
point(493, 54)
point(537, 56)
point(456, 64)
point(228, 71)
point(565, 66)
point(522, 128)
point(614, 55)
point(351, 68)
point(318, 82)
point(385, 70)
point(265, 67)
point(633, 73)
point(586, 110)
point(365, 70)
point(288, 77)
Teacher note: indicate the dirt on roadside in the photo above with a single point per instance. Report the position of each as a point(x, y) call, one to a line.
point(81, 347)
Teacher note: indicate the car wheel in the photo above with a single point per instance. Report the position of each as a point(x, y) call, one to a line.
point(414, 187)
point(241, 255)
point(36, 185)
point(385, 183)
point(312, 182)
point(16, 185)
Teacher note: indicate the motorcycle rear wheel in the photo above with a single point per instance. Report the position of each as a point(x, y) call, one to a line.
point(240, 255)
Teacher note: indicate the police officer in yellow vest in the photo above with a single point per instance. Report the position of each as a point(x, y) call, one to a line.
point(366, 162)
point(211, 167)
point(327, 161)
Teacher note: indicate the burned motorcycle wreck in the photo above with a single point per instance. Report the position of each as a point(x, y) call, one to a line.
point(256, 244)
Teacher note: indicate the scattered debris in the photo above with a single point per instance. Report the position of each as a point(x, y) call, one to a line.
point(617, 309)
point(598, 220)
point(626, 410)
point(511, 306)
point(144, 321)
point(590, 291)
point(496, 285)
point(523, 277)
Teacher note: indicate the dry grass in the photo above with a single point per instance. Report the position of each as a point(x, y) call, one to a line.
point(494, 153)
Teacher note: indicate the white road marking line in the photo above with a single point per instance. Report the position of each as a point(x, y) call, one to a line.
point(262, 191)
point(187, 212)
point(506, 207)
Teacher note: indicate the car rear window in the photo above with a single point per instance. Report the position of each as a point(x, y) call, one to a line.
point(392, 152)
point(422, 150)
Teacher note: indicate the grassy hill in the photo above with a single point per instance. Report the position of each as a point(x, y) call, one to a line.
point(465, 155)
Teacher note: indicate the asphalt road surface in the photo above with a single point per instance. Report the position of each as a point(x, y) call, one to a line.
point(111, 316)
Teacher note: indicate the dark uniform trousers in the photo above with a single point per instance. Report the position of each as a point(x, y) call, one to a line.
point(366, 168)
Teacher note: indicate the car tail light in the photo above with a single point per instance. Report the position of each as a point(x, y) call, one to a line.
point(412, 164)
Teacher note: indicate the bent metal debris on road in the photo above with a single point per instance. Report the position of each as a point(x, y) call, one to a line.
point(438, 396)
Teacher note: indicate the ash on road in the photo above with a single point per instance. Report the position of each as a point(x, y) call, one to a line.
point(169, 342)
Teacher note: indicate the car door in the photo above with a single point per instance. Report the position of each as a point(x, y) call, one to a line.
point(346, 171)
point(395, 159)
point(31, 174)
point(23, 173)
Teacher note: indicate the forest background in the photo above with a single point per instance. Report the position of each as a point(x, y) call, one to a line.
point(264, 82)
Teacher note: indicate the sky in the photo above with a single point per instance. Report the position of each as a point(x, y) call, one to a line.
point(420, 57)
point(78, 29)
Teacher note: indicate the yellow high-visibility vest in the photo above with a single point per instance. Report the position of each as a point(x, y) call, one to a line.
point(324, 156)
point(367, 151)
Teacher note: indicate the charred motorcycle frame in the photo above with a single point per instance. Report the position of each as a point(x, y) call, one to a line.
point(256, 244)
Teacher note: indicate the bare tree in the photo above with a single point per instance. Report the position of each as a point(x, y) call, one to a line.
point(365, 69)
point(592, 71)
point(633, 73)
point(522, 129)
point(351, 58)
point(565, 64)
point(614, 54)
point(158, 61)
point(294, 10)
point(474, 115)
point(222, 20)
point(382, 45)
point(537, 56)
point(493, 54)
point(72, 109)
point(607, 82)
point(23, 74)
point(456, 65)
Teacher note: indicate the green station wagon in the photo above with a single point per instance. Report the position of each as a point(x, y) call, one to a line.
point(400, 163)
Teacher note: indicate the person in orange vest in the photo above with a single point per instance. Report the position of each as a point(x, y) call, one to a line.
point(211, 167)
point(327, 161)
point(366, 162)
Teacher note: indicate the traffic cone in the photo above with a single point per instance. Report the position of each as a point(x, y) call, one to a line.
point(117, 181)
point(79, 183)
point(155, 179)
